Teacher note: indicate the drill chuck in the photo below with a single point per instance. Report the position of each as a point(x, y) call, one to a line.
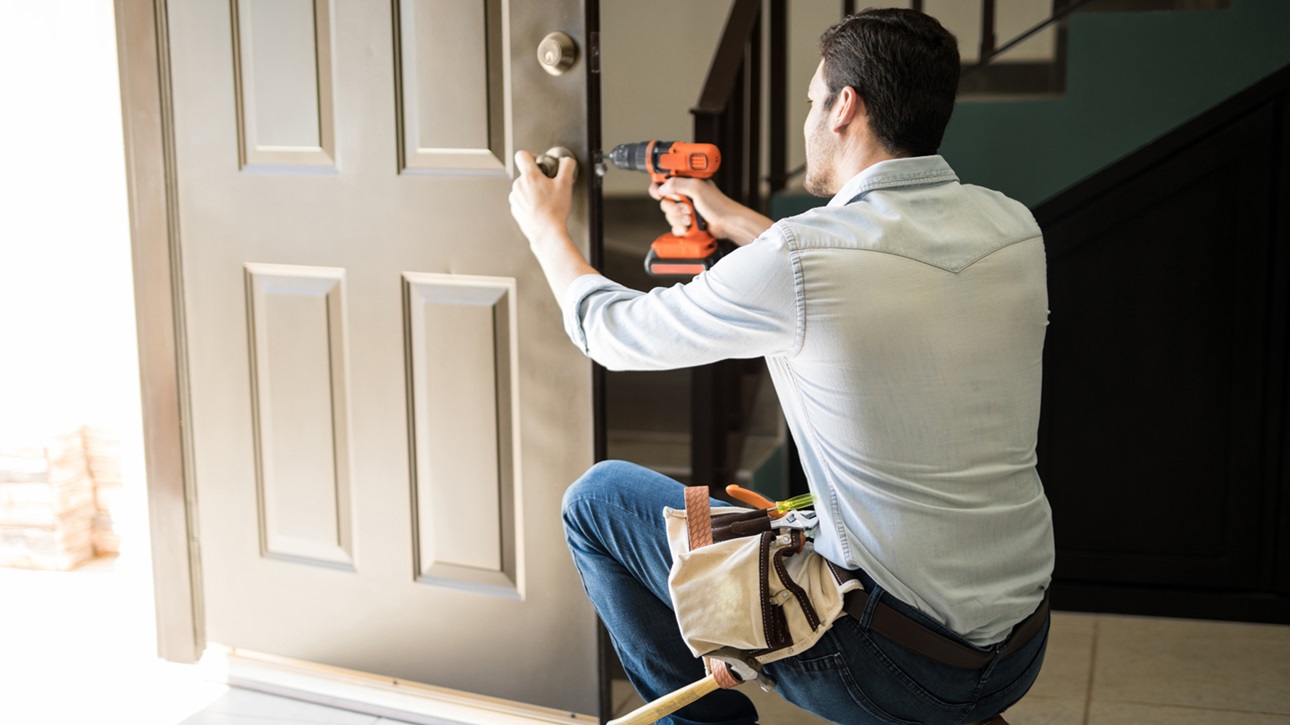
point(635, 156)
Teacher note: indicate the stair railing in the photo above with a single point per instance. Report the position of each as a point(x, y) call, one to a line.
point(989, 49)
point(728, 114)
point(989, 52)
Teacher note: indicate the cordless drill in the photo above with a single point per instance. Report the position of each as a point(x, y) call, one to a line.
point(671, 254)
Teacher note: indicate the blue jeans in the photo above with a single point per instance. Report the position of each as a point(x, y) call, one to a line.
point(614, 525)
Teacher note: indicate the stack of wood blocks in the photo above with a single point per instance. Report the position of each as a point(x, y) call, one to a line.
point(47, 507)
point(57, 500)
point(103, 458)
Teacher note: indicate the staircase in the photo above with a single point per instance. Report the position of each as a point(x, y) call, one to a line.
point(1067, 87)
point(1130, 78)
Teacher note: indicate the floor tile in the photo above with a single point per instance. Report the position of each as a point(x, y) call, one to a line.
point(1075, 621)
point(1117, 713)
point(224, 718)
point(78, 647)
point(1110, 625)
point(1214, 665)
point(1068, 663)
point(1039, 710)
point(238, 705)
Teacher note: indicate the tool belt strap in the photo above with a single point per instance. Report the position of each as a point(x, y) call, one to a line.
point(918, 638)
point(698, 516)
point(698, 521)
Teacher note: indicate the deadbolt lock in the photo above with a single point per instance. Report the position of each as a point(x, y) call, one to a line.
point(557, 53)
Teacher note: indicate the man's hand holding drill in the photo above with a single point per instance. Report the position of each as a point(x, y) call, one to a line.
point(727, 219)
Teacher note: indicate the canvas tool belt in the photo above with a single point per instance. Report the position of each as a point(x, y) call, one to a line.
point(744, 592)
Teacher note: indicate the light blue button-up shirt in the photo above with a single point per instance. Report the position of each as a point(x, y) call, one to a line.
point(903, 325)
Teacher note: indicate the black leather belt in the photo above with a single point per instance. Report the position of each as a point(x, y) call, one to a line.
point(918, 638)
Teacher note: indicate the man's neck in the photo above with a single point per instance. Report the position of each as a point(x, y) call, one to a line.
point(859, 156)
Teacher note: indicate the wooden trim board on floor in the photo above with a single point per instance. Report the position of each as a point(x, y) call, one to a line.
point(374, 695)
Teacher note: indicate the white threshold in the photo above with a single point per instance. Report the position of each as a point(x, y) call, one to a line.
point(372, 694)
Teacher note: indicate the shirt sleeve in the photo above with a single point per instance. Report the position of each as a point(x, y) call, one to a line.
point(746, 306)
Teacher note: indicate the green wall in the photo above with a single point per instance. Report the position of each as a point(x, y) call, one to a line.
point(1131, 78)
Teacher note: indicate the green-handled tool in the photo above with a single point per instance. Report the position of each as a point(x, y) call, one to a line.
point(777, 508)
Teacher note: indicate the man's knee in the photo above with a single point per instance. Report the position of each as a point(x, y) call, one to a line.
point(601, 482)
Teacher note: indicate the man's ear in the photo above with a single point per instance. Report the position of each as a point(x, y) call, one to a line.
point(846, 109)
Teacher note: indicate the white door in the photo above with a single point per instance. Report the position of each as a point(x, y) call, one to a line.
point(385, 409)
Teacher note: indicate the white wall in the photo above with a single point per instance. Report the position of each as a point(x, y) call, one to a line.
point(654, 58)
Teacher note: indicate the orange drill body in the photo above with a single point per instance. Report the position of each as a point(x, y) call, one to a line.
point(672, 254)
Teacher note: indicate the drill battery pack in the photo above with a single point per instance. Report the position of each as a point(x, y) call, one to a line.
point(674, 256)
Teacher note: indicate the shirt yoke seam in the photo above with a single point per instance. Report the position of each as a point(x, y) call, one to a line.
point(952, 270)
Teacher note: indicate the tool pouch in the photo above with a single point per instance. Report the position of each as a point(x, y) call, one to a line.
point(738, 584)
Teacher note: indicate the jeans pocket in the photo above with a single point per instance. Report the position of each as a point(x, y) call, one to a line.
point(1018, 677)
point(825, 686)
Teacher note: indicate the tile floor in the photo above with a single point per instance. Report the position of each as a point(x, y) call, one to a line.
point(1115, 670)
point(76, 649)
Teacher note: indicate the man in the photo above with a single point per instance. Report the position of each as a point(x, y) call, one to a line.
point(903, 326)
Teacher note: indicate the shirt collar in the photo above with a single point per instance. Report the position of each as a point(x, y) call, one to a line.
point(912, 171)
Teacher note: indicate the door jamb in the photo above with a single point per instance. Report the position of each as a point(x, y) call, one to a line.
point(148, 124)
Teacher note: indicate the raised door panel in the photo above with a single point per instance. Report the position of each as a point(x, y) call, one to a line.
point(462, 387)
point(451, 100)
point(282, 62)
point(300, 399)
point(1154, 370)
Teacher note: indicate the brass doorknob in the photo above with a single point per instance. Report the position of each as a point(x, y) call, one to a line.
point(557, 53)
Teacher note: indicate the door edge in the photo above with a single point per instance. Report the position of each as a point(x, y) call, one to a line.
point(148, 127)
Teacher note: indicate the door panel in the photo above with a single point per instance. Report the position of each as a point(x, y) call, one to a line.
point(385, 409)
point(299, 404)
point(463, 358)
point(282, 69)
point(441, 64)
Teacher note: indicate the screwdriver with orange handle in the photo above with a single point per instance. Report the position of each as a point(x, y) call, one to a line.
point(775, 508)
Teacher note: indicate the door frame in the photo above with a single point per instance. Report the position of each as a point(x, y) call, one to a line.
point(147, 114)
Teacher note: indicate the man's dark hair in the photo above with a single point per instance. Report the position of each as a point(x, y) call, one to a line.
point(905, 65)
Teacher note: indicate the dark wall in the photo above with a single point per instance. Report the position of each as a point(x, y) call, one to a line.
point(1131, 78)
point(1164, 432)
